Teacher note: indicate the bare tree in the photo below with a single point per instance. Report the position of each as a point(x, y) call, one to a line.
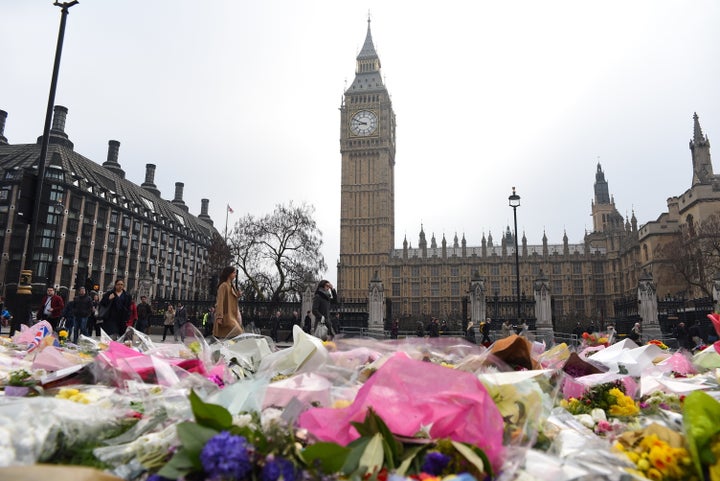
point(219, 257)
point(694, 254)
point(277, 252)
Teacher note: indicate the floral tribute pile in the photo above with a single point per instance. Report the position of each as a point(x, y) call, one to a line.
point(355, 409)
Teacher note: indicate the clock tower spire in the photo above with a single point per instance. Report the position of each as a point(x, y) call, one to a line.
point(367, 185)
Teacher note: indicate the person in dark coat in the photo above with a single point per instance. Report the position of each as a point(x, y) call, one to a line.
point(307, 322)
point(433, 328)
point(294, 322)
point(83, 308)
point(119, 301)
point(324, 296)
point(144, 311)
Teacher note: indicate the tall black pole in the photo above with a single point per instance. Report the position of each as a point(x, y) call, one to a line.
point(514, 201)
point(517, 266)
point(25, 284)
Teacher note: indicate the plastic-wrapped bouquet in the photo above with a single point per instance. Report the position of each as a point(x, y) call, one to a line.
point(610, 397)
point(658, 453)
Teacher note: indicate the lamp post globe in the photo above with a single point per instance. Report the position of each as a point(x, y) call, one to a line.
point(514, 201)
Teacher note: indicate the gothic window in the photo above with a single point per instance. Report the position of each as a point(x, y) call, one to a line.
point(415, 289)
point(577, 268)
point(396, 289)
point(455, 288)
point(645, 252)
point(435, 289)
point(578, 286)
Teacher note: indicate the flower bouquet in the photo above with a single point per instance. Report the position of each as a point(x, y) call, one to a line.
point(218, 446)
point(22, 383)
point(592, 340)
point(658, 453)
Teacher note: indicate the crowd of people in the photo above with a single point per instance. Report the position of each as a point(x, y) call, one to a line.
point(115, 310)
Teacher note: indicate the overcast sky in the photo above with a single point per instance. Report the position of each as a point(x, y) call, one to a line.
point(239, 100)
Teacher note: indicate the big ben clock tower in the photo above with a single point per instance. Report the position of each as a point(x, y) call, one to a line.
point(367, 203)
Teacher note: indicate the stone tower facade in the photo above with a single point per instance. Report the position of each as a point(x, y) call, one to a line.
point(367, 204)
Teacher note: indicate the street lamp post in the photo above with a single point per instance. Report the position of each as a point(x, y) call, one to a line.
point(25, 284)
point(514, 201)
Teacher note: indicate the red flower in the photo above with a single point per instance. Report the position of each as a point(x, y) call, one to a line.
point(715, 318)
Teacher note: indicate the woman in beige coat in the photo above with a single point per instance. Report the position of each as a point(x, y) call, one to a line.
point(228, 322)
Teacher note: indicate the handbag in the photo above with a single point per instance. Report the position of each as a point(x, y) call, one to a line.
point(321, 331)
point(102, 312)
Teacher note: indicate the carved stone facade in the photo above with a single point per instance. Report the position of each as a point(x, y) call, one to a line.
point(435, 278)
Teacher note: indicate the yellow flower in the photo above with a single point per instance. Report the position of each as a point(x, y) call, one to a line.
point(63, 333)
point(341, 403)
point(624, 405)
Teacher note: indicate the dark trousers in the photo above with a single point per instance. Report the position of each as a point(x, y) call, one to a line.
point(166, 328)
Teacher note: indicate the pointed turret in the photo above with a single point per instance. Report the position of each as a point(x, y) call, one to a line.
point(700, 152)
point(566, 247)
point(367, 69)
point(433, 242)
point(455, 241)
point(602, 193)
point(633, 221)
point(546, 251)
point(463, 243)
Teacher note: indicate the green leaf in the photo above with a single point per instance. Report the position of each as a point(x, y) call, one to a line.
point(374, 424)
point(474, 456)
point(357, 448)
point(700, 415)
point(373, 456)
point(411, 454)
point(210, 415)
point(194, 437)
point(179, 466)
point(329, 457)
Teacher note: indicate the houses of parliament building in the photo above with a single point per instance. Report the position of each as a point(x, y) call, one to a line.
point(434, 278)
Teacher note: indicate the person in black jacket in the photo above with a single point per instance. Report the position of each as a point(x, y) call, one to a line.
point(82, 310)
point(324, 295)
point(119, 301)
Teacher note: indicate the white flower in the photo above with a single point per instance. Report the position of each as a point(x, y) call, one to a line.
point(269, 417)
point(242, 420)
point(586, 420)
point(598, 415)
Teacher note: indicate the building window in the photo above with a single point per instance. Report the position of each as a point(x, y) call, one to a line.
point(415, 307)
point(599, 286)
point(557, 269)
point(396, 271)
point(435, 289)
point(435, 271)
point(396, 289)
point(455, 288)
point(577, 268)
point(580, 305)
point(495, 270)
point(416, 271)
point(415, 289)
point(557, 287)
point(454, 271)
point(578, 286)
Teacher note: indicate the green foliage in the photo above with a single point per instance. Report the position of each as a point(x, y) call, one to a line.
point(700, 417)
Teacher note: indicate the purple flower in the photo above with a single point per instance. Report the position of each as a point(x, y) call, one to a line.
point(277, 469)
point(226, 456)
point(434, 463)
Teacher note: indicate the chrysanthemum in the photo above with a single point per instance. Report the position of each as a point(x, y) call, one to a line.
point(226, 456)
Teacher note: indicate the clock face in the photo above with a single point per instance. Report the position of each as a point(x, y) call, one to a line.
point(363, 122)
